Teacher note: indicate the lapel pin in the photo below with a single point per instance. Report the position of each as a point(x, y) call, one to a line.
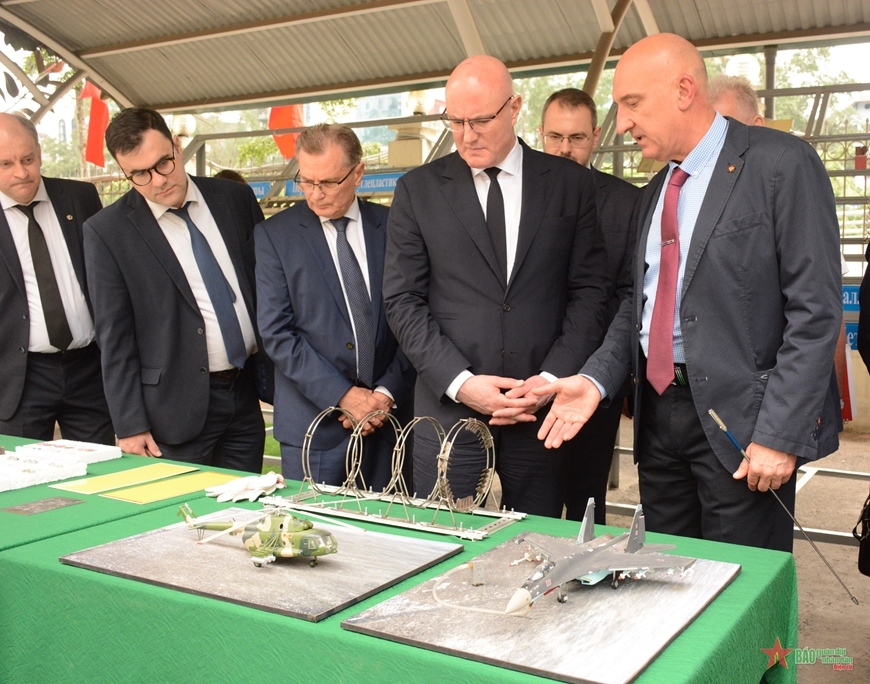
point(731, 168)
point(69, 217)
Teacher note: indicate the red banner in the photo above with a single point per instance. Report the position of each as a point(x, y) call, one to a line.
point(97, 123)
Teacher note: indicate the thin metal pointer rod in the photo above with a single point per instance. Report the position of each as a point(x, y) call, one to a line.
point(739, 448)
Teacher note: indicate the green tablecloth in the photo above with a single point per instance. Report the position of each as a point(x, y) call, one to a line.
point(16, 529)
point(64, 624)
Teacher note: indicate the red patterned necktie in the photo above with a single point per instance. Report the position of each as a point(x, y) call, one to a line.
point(660, 359)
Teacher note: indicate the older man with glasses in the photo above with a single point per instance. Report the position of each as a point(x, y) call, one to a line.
point(496, 278)
point(320, 268)
point(171, 273)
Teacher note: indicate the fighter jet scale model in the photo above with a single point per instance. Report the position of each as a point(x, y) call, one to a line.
point(272, 534)
point(591, 559)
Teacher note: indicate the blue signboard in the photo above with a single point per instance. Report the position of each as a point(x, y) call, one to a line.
point(852, 335)
point(374, 182)
point(260, 188)
point(850, 297)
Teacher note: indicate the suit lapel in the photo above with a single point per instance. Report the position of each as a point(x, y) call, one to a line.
point(459, 191)
point(9, 254)
point(312, 232)
point(146, 225)
point(69, 223)
point(375, 238)
point(536, 194)
point(725, 174)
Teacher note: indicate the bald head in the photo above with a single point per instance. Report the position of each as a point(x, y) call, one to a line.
point(480, 88)
point(660, 86)
point(20, 159)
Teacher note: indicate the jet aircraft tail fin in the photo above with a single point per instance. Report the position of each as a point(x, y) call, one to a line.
point(587, 527)
point(637, 533)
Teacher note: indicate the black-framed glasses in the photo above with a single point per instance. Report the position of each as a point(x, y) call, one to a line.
point(325, 186)
point(164, 167)
point(480, 125)
point(578, 140)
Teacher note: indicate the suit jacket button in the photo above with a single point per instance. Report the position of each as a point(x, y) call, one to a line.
point(204, 371)
point(24, 317)
point(199, 331)
point(22, 350)
point(502, 353)
point(350, 345)
point(506, 307)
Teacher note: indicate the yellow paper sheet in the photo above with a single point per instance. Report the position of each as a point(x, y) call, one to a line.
point(125, 478)
point(166, 489)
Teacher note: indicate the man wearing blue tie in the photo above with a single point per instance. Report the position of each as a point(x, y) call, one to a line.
point(320, 266)
point(170, 268)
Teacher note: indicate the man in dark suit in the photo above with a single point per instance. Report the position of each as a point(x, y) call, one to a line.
point(496, 274)
point(320, 268)
point(47, 351)
point(171, 272)
point(569, 128)
point(735, 308)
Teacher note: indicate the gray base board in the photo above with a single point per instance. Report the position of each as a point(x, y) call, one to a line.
point(599, 635)
point(366, 563)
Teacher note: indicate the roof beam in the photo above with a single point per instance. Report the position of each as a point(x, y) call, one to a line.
point(647, 18)
point(468, 33)
point(602, 15)
point(602, 50)
point(299, 19)
point(67, 55)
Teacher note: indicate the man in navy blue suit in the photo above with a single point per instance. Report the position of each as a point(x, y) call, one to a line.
point(319, 273)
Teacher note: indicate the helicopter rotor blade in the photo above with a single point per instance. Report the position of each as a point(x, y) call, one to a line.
point(239, 525)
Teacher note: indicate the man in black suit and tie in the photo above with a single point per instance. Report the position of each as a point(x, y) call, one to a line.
point(569, 128)
point(736, 308)
point(171, 272)
point(320, 268)
point(47, 350)
point(496, 278)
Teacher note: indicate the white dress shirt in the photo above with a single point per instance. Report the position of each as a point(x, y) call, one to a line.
point(74, 304)
point(178, 235)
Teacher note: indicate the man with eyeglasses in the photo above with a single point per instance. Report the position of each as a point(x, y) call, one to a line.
point(320, 268)
point(51, 364)
point(496, 279)
point(569, 128)
point(171, 271)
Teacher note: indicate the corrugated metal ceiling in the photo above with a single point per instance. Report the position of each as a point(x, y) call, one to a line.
point(198, 54)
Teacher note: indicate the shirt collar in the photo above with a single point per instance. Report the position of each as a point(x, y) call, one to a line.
point(511, 164)
point(193, 195)
point(40, 196)
point(709, 145)
point(352, 213)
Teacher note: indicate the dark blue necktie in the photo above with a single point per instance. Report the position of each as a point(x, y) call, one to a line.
point(495, 219)
point(56, 323)
point(219, 291)
point(360, 303)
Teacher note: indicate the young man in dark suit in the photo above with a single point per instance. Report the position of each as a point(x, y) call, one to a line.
point(569, 128)
point(495, 280)
point(320, 268)
point(47, 350)
point(171, 272)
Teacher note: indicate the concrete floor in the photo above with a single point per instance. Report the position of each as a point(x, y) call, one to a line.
point(827, 617)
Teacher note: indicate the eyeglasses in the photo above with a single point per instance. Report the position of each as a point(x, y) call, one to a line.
point(325, 186)
point(577, 140)
point(164, 167)
point(480, 125)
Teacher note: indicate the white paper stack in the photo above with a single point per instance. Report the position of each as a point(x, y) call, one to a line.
point(20, 470)
point(67, 450)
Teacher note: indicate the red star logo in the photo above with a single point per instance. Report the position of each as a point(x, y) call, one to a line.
point(777, 653)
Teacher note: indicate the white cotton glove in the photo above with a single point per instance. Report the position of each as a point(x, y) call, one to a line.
point(249, 488)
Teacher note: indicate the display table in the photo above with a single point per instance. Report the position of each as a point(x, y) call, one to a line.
point(16, 529)
point(65, 624)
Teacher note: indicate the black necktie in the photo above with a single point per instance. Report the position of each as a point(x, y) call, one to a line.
point(219, 291)
point(360, 303)
point(495, 220)
point(59, 333)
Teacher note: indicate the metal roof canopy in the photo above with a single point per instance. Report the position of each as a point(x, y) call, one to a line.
point(194, 55)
